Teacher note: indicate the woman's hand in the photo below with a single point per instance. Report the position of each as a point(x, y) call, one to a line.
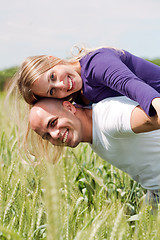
point(156, 105)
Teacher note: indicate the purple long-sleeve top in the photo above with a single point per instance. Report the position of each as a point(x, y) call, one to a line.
point(108, 72)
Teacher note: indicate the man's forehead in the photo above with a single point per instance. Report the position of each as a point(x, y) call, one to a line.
point(35, 118)
point(41, 113)
point(49, 105)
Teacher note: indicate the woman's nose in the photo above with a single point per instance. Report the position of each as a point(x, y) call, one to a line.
point(57, 84)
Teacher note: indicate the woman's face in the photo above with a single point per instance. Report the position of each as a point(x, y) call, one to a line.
point(58, 82)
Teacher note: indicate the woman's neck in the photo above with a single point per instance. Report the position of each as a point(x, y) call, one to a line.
point(77, 67)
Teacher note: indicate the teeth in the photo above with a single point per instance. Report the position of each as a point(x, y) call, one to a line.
point(65, 136)
point(70, 84)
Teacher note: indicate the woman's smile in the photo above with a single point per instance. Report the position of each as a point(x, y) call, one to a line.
point(58, 82)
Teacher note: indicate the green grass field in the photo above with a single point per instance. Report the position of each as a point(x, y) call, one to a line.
point(82, 197)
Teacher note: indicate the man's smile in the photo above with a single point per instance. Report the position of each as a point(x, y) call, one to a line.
point(65, 136)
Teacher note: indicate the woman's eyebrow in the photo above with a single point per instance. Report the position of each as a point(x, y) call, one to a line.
point(48, 78)
point(48, 91)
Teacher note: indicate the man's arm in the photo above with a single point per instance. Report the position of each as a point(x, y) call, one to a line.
point(141, 122)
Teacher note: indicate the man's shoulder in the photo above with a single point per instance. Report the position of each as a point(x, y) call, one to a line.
point(115, 101)
point(113, 114)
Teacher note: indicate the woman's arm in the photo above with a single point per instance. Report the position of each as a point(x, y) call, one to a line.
point(156, 105)
point(140, 84)
point(141, 122)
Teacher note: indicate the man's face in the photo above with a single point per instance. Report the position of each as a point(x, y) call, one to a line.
point(56, 122)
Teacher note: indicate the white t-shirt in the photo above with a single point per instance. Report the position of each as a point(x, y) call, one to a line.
point(113, 140)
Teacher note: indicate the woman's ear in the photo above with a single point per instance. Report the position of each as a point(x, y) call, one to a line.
point(69, 106)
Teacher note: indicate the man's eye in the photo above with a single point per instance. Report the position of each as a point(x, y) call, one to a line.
point(53, 123)
point(52, 77)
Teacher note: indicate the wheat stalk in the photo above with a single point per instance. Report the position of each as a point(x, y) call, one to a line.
point(12, 199)
point(21, 220)
point(1, 203)
point(116, 224)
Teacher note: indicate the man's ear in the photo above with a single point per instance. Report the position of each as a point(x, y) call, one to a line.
point(69, 106)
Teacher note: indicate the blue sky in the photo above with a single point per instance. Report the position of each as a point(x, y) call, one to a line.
point(34, 27)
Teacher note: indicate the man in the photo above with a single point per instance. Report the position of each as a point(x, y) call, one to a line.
point(117, 129)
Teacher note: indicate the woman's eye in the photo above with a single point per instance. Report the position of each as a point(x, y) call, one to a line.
point(51, 91)
point(52, 77)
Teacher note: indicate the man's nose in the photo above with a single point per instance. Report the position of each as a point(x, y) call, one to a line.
point(55, 134)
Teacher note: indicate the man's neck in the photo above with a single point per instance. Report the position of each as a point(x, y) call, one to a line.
point(85, 116)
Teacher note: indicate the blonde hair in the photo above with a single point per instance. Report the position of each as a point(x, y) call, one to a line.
point(21, 86)
point(34, 66)
point(29, 142)
point(82, 51)
point(31, 69)
point(39, 148)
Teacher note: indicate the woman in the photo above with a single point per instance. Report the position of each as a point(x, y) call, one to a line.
point(93, 74)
